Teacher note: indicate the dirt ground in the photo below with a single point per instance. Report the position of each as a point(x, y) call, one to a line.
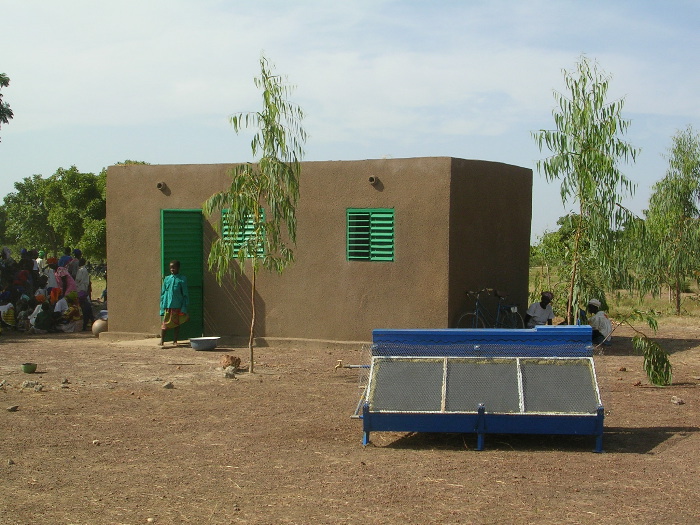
point(105, 442)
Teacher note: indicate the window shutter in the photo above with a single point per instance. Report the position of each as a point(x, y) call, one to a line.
point(370, 234)
point(244, 234)
point(382, 235)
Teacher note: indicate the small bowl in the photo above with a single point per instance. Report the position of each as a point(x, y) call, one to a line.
point(204, 343)
point(28, 368)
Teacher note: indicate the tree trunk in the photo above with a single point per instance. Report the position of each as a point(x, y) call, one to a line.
point(251, 339)
point(678, 297)
point(574, 270)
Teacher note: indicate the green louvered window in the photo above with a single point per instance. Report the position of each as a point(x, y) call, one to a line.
point(370, 234)
point(244, 234)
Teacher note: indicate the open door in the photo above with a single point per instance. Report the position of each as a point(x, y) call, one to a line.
point(181, 238)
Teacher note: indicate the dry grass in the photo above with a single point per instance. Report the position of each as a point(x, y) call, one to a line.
point(98, 285)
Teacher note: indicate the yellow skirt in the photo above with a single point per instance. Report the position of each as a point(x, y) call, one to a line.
point(173, 318)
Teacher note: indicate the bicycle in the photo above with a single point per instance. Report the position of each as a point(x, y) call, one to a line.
point(506, 315)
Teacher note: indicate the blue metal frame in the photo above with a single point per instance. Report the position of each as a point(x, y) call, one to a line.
point(482, 423)
point(543, 341)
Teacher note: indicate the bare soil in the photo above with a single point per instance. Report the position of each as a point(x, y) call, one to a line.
point(105, 442)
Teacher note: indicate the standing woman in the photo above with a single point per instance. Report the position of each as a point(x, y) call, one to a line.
point(174, 299)
point(65, 281)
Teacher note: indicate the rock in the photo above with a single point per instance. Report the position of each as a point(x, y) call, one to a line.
point(29, 384)
point(638, 383)
point(10, 462)
point(169, 384)
point(38, 388)
point(230, 372)
point(65, 381)
point(230, 360)
point(96, 442)
point(623, 369)
point(13, 408)
point(677, 400)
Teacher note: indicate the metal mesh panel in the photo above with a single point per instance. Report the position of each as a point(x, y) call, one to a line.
point(559, 385)
point(493, 382)
point(503, 385)
point(401, 385)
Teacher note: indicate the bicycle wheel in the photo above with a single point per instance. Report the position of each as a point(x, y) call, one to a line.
point(511, 319)
point(470, 320)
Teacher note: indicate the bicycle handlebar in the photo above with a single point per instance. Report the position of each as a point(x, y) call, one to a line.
point(490, 291)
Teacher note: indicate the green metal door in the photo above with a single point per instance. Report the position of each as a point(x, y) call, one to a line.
point(181, 238)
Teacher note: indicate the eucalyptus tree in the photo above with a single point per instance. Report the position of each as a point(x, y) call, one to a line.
point(5, 112)
point(670, 253)
point(258, 210)
point(547, 257)
point(586, 151)
point(27, 217)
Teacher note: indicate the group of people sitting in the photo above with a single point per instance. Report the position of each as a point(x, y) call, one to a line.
point(541, 313)
point(40, 294)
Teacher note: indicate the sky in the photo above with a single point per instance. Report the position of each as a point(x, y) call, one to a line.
point(96, 83)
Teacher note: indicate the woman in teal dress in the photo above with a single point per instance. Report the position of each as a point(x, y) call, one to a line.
point(174, 299)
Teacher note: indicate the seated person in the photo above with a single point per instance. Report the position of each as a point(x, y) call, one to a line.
point(7, 315)
point(41, 293)
point(60, 305)
point(540, 313)
point(35, 312)
point(23, 309)
point(602, 327)
point(43, 322)
point(72, 318)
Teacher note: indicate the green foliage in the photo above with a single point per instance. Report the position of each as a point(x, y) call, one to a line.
point(669, 251)
point(3, 226)
point(550, 249)
point(68, 208)
point(94, 239)
point(27, 217)
point(75, 201)
point(646, 316)
point(657, 364)
point(554, 274)
point(5, 112)
point(271, 184)
point(586, 149)
point(128, 161)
